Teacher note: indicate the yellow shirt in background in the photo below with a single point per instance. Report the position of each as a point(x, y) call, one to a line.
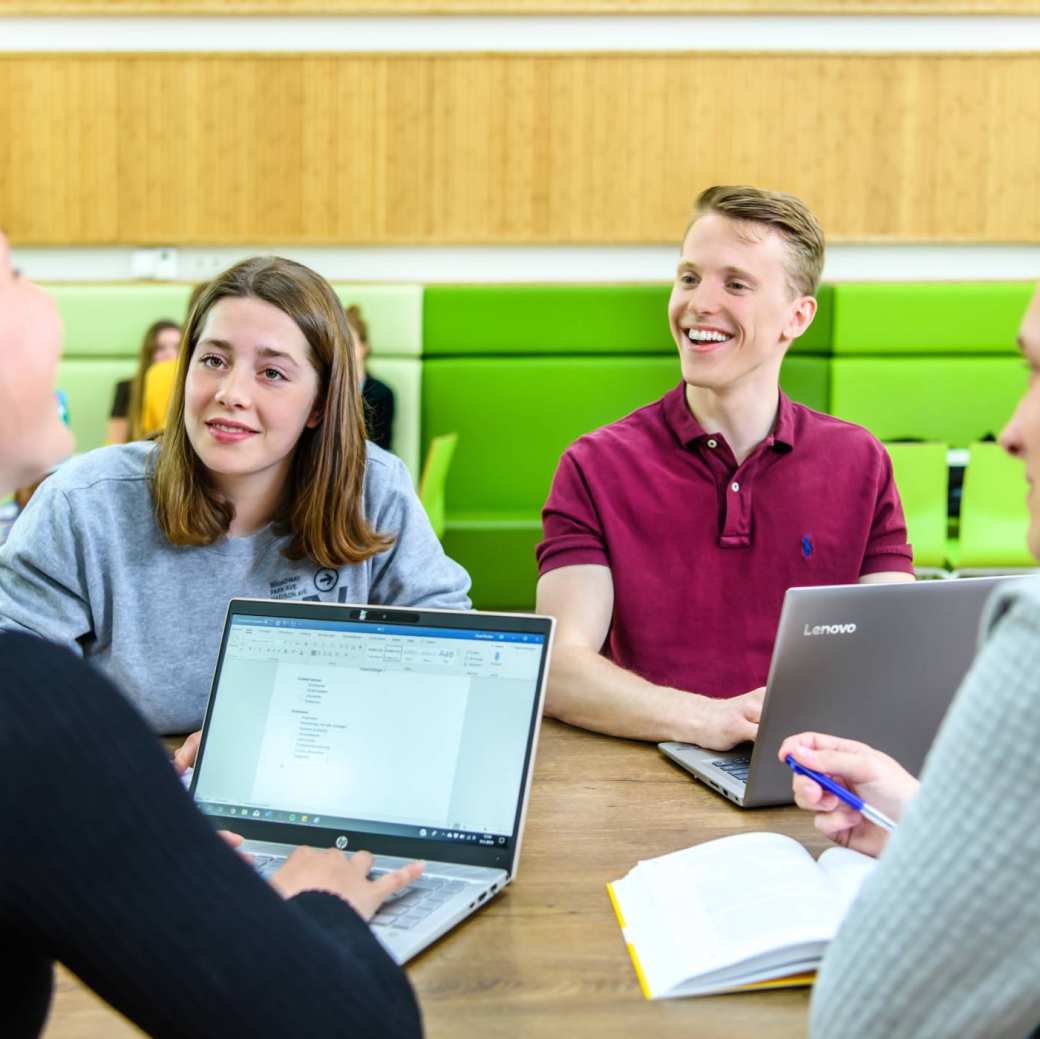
point(158, 388)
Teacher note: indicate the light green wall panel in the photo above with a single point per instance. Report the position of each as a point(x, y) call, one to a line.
point(928, 317)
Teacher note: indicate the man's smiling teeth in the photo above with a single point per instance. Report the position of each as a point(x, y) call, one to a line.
point(696, 335)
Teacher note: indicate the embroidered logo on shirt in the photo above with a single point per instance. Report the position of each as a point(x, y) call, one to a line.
point(326, 579)
point(807, 546)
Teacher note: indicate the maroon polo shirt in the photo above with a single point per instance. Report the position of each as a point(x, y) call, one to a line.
point(701, 550)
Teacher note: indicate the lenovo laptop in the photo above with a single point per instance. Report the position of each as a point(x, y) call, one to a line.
point(872, 662)
point(410, 733)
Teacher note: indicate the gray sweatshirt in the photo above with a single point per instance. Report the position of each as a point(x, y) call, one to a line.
point(86, 566)
point(944, 939)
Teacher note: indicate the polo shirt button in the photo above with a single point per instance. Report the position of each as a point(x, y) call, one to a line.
point(713, 443)
point(735, 487)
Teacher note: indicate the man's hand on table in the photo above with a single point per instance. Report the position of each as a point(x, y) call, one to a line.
point(722, 724)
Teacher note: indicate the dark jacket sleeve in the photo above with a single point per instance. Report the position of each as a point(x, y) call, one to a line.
point(106, 865)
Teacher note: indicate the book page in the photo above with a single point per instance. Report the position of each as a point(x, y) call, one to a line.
point(845, 871)
point(726, 901)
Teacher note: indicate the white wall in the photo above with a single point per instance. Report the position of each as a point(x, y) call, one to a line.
point(533, 264)
point(527, 34)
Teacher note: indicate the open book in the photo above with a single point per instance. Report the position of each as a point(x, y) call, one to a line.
point(745, 912)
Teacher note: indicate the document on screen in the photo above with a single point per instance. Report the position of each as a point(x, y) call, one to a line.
point(341, 740)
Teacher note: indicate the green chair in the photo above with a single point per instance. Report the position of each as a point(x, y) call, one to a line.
point(922, 477)
point(994, 516)
point(435, 478)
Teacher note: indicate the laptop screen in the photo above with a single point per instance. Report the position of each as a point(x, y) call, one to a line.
point(393, 729)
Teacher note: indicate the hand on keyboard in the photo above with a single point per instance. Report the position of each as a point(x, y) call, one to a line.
point(311, 869)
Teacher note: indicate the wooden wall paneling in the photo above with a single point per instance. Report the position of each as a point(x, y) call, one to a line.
point(210, 149)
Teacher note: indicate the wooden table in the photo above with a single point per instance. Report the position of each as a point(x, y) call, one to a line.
point(545, 958)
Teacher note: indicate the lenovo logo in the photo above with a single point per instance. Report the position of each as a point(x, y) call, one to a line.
point(830, 629)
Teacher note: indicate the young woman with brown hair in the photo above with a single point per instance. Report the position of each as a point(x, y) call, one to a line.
point(262, 485)
point(106, 864)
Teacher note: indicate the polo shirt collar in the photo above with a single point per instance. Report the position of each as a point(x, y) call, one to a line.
point(688, 430)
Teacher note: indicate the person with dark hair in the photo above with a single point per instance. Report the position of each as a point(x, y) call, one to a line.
point(106, 865)
point(262, 486)
point(161, 341)
point(378, 398)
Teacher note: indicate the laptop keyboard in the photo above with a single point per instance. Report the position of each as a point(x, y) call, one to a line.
point(404, 909)
point(737, 767)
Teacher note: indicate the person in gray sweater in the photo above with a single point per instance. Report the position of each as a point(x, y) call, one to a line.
point(261, 486)
point(944, 938)
point(106, 864)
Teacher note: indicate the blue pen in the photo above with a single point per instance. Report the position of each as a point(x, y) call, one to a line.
point(843, 794)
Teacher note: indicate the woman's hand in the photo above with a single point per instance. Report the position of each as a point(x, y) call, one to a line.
point(874, 777)
point(184, 755)
point(312, 869)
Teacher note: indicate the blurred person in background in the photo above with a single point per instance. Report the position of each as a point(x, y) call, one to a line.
point(157, 385)
point(160, 343)
point(377, 396)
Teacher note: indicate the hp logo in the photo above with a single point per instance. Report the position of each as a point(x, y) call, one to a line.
point(341, 842)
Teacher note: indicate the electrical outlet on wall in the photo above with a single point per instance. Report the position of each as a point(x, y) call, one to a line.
point(201, 265)
point(159, 264)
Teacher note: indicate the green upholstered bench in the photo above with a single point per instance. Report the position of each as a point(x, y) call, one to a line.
point(932, 318)
point(994, 516)
point(931, 361)
point(954, 399)
point(527, 320)
point(922, 477)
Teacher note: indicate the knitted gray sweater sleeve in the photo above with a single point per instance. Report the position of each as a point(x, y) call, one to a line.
point(944, 939)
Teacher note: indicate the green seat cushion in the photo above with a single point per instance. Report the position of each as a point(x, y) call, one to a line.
point(928, 317)
point(922, 476)
point(497, 550)
point(90, 386)
point(110, 320)
point(566, 319)
point(393, 313)
point(994, 515)
point(955, 399)
point(515, 417)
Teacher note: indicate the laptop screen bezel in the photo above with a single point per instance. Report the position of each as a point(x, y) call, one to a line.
point(386, 844)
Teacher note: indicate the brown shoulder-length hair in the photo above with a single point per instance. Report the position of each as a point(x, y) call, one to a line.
point(322, 509)
point(145, 357)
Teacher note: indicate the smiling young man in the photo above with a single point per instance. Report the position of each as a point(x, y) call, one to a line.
point(671, 536)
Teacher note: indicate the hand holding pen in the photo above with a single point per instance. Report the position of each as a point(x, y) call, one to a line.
point(868, 783)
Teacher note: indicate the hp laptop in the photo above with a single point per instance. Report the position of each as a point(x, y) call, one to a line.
point(410, 733)
point(872, 662)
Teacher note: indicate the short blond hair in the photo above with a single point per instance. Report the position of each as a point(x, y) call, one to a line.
point(788, 215)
